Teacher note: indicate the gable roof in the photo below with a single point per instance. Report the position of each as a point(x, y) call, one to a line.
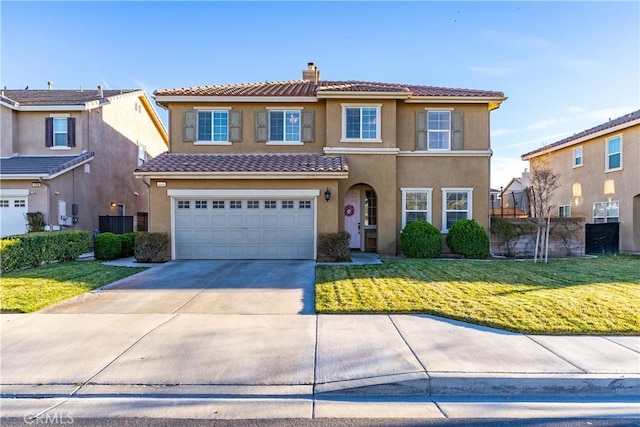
point(614, 125)
point(177, 163)
point(76, 100)
point(45, 167)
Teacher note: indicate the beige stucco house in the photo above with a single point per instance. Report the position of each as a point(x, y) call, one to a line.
point(599, 174)
point(260, 170)
point(71, 154)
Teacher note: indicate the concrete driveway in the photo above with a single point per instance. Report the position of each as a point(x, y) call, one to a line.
point(205, 287)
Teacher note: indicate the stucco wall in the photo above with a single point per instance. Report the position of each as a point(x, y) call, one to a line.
point(583, 186)
point(8, 121)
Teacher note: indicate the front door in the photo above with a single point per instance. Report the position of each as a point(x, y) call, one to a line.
point(352, 216)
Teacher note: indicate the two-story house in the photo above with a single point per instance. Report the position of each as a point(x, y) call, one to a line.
point(599, 176)
point(259, 170)
point(71, 154)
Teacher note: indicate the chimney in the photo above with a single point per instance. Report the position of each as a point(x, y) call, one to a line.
point(312, 73)
point(100, 93)
point(50, 84)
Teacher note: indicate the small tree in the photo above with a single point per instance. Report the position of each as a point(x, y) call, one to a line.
point(543, 182)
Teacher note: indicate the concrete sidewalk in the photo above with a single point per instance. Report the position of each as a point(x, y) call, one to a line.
point(148, 349)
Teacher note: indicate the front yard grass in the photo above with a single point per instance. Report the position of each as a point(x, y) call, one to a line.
point(593, 296)
point(26, 291)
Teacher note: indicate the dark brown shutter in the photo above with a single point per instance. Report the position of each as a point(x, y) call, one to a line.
point(308, 126)
point(262, 126)
point(189, 126)
point(48, 132)
point(457, 141)
point(71, 132)
point(421, 130)
point(235, 126)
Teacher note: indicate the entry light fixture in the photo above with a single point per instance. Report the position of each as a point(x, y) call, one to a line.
point(113, 204)
point(327, 194)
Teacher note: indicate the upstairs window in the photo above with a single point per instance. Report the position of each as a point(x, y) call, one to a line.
point(284, 126)
point(213, 126)
point(577, 157)
point(614, 154)
point(142, 155)
point(60, 132)
point(361, 123)
point(439, 130)
point(564, 211)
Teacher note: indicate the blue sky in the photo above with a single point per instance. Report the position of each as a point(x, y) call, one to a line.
point(565, 66)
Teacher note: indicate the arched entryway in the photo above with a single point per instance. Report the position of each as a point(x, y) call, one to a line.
point(361, 217)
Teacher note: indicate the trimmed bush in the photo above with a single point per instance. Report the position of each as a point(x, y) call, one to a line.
point(468, 238)
point(34, 249)
point(107, 246)
point(151, 247)
point(35, 221)
point(334, 247)
point(421, 240)
point(127, 241)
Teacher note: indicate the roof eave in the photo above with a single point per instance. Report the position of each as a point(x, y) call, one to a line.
point(492, 101)
point(549, 149)
point(164, 100)
point(242, 175)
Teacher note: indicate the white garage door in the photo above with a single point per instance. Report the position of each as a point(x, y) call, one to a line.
point(12, 215)
point(244, 228)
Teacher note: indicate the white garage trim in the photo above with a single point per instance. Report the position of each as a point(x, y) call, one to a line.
point(243, 193)
point(8, 192)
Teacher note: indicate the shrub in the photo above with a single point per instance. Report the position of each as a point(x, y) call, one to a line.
point(334, 247)
point(34, 249)
point(35, 221)
point(151, 247)
point(127, 240)
point(107, 246)
point(421, 240)
point(468, 238)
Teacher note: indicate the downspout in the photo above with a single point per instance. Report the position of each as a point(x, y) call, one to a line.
point(48, 201)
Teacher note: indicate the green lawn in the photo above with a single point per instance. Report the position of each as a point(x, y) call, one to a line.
point(30, 290)
point(577, 296)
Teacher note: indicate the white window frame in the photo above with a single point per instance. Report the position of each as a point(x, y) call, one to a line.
point(211, 111)
point(66, 133)
point(142, 154)
point(564, 211)
point(606, 206)
point(284, 111)
point(608, 154)
point(428, 191)
point(577, 156)
point(378, 108)
point(469, 210)
point(448, 131)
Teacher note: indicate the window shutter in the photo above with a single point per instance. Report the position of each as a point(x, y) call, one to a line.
point(71, 132)
point(457, 142)
point(189, 126)
point(262, 123)
point(235, 125)
point(421, 130)
point(48, 132)
point(308, 128)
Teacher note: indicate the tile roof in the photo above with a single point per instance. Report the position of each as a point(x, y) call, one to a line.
point(608, 125)
point(305, 88)
point(57, 97)
point(238, 163)
point(40, 165)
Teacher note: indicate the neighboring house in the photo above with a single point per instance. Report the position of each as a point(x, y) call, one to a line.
point(260, 170)
point(514, 199)
point(599, 176)
point(71, 154)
